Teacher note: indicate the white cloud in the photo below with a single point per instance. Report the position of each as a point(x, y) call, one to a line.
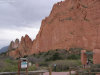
point(7, 35)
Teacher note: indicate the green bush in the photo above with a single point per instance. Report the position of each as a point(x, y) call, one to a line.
point(55, 56)
point(73, 56)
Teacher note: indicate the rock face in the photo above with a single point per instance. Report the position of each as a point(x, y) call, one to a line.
point(24, 47)
point(14, 45)
point(71, 23)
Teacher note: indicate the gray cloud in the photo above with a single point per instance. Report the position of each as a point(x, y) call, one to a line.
point(24, 12)
point(20, 17)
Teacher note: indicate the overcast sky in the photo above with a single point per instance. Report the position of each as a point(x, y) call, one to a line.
point(20, 17)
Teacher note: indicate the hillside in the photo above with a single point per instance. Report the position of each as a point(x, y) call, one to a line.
point(62, 58)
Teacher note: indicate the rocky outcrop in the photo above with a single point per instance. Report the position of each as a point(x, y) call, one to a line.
point(13, 45)
point(24, 47)
point(71, 24)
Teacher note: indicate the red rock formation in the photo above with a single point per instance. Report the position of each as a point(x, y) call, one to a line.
point(14, 45)
point(96, 56)
point(23, 49)
point(83, 57)
point(71, 23)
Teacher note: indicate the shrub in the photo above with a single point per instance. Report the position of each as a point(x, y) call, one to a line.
point(73, 56)
point(55, 56)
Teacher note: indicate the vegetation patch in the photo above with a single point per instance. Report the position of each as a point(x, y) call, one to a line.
point(71, 8)
point(68, 18)
point(71, 33)
point(61, 57)
point(84, 6)
point(86, 19)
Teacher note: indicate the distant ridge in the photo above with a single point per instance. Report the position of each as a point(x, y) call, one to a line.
point(3, 49)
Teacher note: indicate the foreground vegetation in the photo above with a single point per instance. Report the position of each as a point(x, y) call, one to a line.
point(62, 58)
point(8, 64)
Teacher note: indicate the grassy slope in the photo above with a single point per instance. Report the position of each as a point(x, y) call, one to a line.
point(63, 58)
